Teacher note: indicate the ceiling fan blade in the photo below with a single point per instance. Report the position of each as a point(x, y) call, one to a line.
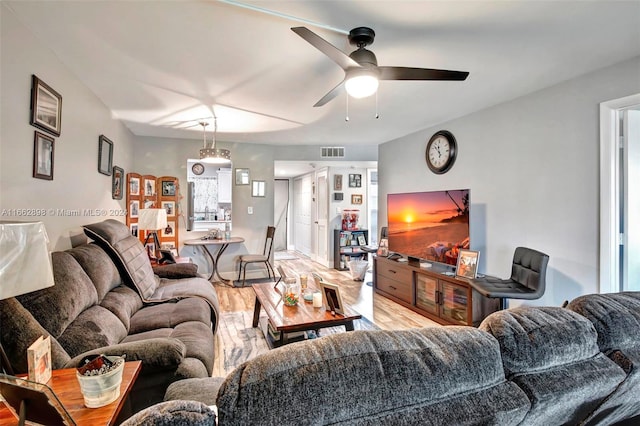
point(405, 73)
point(329, 96)
point(335, 54)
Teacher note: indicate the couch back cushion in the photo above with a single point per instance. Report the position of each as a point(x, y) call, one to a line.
point(405, 372)
point(94, 328)
point(58, 306)
point(98, 266)
point(615, 316)
point(127, 252)
point(539, 338)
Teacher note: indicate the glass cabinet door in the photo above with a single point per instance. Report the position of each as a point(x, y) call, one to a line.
point(426, 293)
point(455, 305)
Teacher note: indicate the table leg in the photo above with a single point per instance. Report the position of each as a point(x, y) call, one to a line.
point(212, 259)
point(256, 313)
point(223, 247)
point(349, 326)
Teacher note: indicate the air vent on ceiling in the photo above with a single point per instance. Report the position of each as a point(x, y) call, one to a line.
point(332, 152)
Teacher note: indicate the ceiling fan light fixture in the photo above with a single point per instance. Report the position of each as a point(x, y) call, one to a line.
point(213, 155)
point(361, 84)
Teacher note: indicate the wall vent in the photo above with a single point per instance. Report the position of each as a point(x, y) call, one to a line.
point(332, 152)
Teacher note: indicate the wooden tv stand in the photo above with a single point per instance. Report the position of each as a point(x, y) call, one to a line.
point(429, 292)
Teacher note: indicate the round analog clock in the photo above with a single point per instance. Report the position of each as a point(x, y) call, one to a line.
point(441, 152)
point(197, 169)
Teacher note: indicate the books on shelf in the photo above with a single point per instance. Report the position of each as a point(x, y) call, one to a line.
point(39, 360)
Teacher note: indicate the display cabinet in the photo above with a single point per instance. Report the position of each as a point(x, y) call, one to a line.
point(347, 246)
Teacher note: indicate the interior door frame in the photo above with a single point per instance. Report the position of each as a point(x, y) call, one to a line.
point(609, 192)
point(321, 237)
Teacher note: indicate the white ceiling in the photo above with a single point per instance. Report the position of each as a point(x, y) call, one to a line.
point(160, 65)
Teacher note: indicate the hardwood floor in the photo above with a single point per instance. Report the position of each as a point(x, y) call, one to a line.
point(383, 312)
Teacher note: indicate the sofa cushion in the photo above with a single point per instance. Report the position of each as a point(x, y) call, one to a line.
point(123, 302)
point(58, 306)
point(170, 314)
point(174, 413)
point(616, 318)
point(13, 316)
point(375, 377)
point(203, 389)
point(94, 328)
point(551, 354)
point(98, 266)
point(127, 252)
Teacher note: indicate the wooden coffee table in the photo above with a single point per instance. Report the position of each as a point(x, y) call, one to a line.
point(302, 317)
point(64, 384)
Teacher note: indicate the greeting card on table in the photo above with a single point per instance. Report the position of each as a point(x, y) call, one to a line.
point(39, 360)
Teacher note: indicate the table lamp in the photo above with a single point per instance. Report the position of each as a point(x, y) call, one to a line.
point(25, 264)
point(152, 220)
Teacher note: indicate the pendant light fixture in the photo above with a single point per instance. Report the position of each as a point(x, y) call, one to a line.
point(213, 155)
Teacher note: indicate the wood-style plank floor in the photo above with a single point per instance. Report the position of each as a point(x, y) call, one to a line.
point(383, 312)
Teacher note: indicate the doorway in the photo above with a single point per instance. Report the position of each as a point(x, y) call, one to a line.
point(620, 201)
point(281, 214)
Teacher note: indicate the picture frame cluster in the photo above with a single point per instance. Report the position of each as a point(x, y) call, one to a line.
point(46, 115)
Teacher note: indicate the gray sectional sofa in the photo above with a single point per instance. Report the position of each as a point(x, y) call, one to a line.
point(107, 299)
point(523, 366)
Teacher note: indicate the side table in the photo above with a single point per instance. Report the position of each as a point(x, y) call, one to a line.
point(64, 384)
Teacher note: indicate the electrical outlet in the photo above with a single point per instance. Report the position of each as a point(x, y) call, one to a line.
point(250, 210)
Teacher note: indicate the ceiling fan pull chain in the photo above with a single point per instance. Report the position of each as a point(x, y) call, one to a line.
point(377, 115)
point(346, 117)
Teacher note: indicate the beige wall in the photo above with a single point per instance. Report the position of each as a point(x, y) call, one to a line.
point(77, 186)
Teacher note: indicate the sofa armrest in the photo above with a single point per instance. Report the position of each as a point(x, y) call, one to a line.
point(176, 270)
point(157, 353)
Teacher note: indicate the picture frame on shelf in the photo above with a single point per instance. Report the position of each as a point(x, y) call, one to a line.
point(337, 182)
point(242, 177)
point(356, 198)
point(43, 155)
point(168, 188)
point(46, 107)
point(134, 186)
point(355, 181)
point(170, 207)
point(467, 265)
point(44, 406)
point(117, 178)
point(362, 240)
point(105, 155)
point(331, 297)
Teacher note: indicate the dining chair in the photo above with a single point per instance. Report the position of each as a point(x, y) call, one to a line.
point(246, 259)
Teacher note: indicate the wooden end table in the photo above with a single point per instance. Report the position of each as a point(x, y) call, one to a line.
point(64, 384)
point(302, 317)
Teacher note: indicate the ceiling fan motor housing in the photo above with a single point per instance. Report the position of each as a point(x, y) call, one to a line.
point(361, 36)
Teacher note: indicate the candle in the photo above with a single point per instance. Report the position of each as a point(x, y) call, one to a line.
point(317, 300)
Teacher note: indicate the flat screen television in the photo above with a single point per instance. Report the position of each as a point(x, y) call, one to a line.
point(429, 225)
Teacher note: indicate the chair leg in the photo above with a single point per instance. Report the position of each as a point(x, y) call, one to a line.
point(502, 304)
point(270, 270)
point(239, 270)
point(244, 276)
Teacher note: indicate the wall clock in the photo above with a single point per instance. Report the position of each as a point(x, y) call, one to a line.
point(441, 152)
point(197, 169)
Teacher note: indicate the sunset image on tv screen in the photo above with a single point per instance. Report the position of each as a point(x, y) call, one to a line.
point(429, 225)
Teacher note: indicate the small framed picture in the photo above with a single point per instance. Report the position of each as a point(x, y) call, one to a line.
point(242, 176)
point(356, 198)
point(338, 196)
point(170, 230)
point(134, 207)
point(355, 181)
point(43, 156)
point(134, 186)
point(134, 229)
point(362, 240)
point(337, 182)
point(46, 107)
point(168, 188)
point(170, 207)
point(117, 178)
point(467, 266)
point(258, 188)
point(105, 155)
point(149, 187)
point(331, 297)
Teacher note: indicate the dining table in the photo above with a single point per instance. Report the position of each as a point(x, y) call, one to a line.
point(214, 248)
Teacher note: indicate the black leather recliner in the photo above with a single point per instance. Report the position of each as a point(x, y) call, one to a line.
point(528, 277)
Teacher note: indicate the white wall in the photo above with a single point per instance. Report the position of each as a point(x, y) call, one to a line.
point(532, 167)
point(76, 183)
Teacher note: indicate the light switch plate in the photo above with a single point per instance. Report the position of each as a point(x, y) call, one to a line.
point(250, 210)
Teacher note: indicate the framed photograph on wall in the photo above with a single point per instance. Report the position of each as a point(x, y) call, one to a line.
point(43, 146)
point(337, 182)
point(105, 155)
point(134, 229)
point(168, 188)
point(356, 198)
point(134, 208)
point(169, 231)
point(116, 183)
point(258, 188)
point(46, 107)
point(467, 266)
point(170, 207)
point(149, 188)
point(242, 176)
point(331, 297)
point(355, 181)
point(134, 186)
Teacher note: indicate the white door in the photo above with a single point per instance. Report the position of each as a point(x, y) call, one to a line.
point(302, 201)
point(631, 195)
point(322, 214)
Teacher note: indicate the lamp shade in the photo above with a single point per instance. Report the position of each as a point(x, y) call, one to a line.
point(152, 219)
point(25, 262)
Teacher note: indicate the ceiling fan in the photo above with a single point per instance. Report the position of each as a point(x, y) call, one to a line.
point(362, 72)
